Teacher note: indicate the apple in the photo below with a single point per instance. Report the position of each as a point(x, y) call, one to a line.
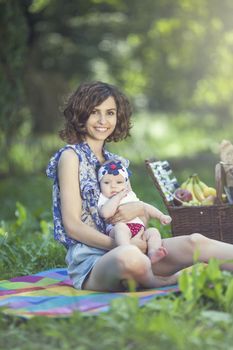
point(182, 195)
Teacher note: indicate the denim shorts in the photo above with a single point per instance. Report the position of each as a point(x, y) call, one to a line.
point(81, 259)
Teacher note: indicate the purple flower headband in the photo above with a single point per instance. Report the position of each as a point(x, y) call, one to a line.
point(113, 168)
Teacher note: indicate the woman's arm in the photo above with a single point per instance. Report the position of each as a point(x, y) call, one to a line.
point(129, 211)
point(71, 204)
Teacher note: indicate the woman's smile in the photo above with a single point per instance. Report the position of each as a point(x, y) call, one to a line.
point(101, 129)
point(102, 121)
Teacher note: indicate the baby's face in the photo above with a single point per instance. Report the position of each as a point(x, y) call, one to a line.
point(112, 184)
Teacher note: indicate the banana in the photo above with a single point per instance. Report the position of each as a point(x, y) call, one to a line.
point(224, 198)
point(190, 188)
point(192, 203)
point(202, 194)
point(209, 191)
point(208, 200)
point(185, 183)
point(202, 185)
point(197, 189)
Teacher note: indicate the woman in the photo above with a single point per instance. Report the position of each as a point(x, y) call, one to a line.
point(95, 114)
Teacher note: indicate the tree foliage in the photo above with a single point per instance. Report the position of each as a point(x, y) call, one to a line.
point(167, 55)
point(13, 50)
point(171, 54)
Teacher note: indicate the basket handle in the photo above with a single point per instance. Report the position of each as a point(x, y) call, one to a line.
point(220, 179)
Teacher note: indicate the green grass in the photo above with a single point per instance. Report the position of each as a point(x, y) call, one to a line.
point(165, 323)
point(198, 318)
point(195, 319)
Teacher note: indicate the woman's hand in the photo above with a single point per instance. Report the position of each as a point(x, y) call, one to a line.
point(127, 212)
point(139, 241)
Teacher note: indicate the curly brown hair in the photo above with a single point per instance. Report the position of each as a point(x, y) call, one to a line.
point(82, 102)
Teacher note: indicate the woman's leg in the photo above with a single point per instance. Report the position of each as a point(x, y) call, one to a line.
point(181, 250)
point(120, 264)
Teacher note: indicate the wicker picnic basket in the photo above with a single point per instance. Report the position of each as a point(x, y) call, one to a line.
point(214, 221)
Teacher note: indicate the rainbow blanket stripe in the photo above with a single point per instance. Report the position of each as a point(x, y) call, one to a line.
point(50, 293)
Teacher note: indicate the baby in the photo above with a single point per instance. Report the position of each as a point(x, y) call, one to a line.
point(116, 190)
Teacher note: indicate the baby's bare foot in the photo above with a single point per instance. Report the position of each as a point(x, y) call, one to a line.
point(157, 255)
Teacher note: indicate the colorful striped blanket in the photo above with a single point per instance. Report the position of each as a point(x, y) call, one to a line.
point(50, 293)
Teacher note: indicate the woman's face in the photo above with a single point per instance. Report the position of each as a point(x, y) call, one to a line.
point(102, 121)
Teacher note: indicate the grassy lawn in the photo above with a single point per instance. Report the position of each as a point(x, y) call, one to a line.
point(193, 319)
point(198, 318)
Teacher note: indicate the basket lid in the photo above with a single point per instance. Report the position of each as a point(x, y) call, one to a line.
point(163, 178)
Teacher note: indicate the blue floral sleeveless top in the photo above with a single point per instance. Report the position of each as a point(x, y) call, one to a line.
point(89, 189)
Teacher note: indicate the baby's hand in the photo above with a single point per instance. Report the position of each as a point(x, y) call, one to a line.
point(124, 193)
point(165, 219)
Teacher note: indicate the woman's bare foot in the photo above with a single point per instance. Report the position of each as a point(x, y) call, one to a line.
point(156, 255)
point(162, 281)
